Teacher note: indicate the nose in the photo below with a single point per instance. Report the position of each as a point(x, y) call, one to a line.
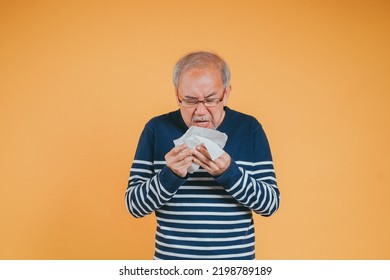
point(201, 109)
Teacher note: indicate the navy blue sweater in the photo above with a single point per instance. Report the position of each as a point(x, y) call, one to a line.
point(201, 216)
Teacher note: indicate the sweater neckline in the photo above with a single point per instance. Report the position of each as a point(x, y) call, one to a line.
point(225, 119)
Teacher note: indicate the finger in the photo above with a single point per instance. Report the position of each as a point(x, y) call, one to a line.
point(184, 154)
point(185, 162)
point(203, 160)
point(202, 149)
point(220, 164)
point(172, 155)
point(183, 165)
point(224, 157)
point(216, 167)
point(176, 150)
point(223, 162)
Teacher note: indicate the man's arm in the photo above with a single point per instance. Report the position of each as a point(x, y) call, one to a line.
point(153, 183)
point(252, 184)
point(260, 195)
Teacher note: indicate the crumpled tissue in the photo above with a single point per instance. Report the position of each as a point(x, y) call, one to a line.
point(214, 141)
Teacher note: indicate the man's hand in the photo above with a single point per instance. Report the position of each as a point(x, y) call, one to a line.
point(179, 159)
point(214, 168)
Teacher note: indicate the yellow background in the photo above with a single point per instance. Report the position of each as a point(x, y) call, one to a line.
point(79, 79)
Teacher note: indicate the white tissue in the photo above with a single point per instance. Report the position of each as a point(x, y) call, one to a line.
point(212, 139)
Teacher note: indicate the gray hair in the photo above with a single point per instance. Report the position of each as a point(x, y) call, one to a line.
point(200, 60)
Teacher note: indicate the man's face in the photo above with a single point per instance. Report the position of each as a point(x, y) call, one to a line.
point(202, 84)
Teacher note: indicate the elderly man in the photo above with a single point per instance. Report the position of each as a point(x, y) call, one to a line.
point(206, 214)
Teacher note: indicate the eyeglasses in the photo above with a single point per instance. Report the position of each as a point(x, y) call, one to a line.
point(208, 102)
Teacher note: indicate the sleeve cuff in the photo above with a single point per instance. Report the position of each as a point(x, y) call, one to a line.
point(169, 180)
point(230, 176)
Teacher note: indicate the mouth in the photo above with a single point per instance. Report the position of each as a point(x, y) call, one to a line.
point(201, 122)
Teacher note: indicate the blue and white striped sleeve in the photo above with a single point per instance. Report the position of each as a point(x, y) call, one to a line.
point(151, 183)
point(253, 183)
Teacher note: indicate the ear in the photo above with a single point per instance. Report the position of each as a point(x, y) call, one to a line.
point(227, 94)
point(177, 98)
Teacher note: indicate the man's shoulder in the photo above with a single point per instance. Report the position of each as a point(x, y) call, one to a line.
point(163, 118)
point(239, 114)
point(166, 124)
point(242, 119)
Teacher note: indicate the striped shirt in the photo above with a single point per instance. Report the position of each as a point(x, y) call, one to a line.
point(201, 216)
